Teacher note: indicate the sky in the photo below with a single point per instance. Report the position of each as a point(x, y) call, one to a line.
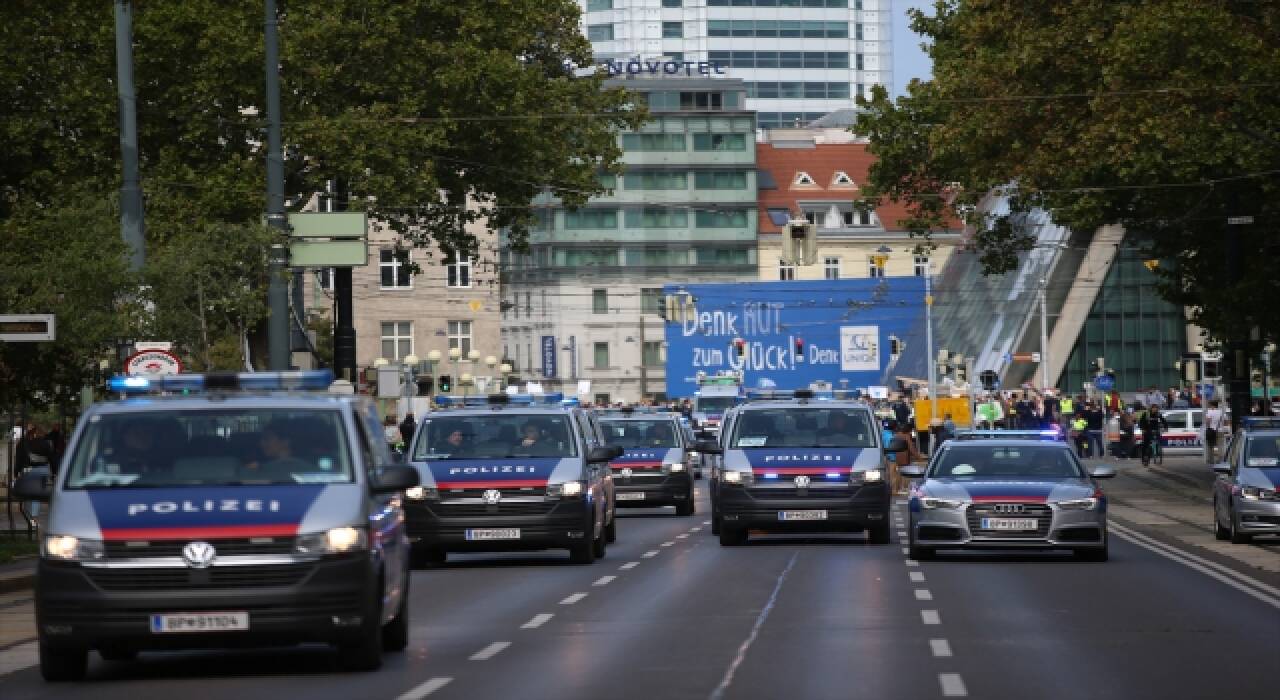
point(909, 60)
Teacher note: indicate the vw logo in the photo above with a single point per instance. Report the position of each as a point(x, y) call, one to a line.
point(199, 555)
point(492, 496)
point(626, 472)
point(1008, 508)
point(802, 482)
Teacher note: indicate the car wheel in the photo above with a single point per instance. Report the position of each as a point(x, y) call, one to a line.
point(583, 552)
point(363, 651)
point(879, 534)
point(715, 523)
point(1092, 554)
point(118, 653)
point(395, 634)
point(732, 536)
point(423, 557)
point(63, 663)
point(685, 508)
point(1238, 537)
point(611, 530)
point(1219, 531)
point(598, 545)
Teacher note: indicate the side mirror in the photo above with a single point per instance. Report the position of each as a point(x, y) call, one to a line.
point(1222, 468)
point(896, 445)
point(1103, 472)
point(603, 454)
point(34, 485)
point(708, 447)
point(395, 478)
point(912, 471)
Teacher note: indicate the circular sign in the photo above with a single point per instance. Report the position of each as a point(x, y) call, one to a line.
point(152, 363)
point(1105, 382)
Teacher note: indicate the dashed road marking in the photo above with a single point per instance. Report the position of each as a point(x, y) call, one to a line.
point(629, 565)
point(421, 691)
point(538, 620)
point(650, 554)
point(604, 580)
point(490, 651)
point(930, 617)
point(941, 648)
point(902, 533)
point(952, 685)
point(916, 576)
point(912, 562)
point(682, 536)
point(573, 598)
point(695, 529)
point(923, 594)
point(668, 543)
point(905, 550)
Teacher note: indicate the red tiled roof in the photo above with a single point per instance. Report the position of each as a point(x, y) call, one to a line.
point(821, 162)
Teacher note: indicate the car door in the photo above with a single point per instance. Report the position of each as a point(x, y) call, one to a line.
point(1222, 483)
point(386, 519)
point(597, 474)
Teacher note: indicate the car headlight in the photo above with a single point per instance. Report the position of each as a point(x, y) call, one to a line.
point(736, 477)
point(949, 503)
point(68, 548)
point(338, 540)
point(569, 489)
point(1079, 504)
point(422, 493)
point(693, 454)
point(867, 476)
point(1253, 493)
point(674, 467)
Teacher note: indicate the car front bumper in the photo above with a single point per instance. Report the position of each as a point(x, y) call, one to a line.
point(559, 525)
point(959, 528)
point(1257, 517)
point(846, 508)
point(672, 490)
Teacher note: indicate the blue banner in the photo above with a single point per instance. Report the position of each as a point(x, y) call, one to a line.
point(549, 356)
point(787, 335)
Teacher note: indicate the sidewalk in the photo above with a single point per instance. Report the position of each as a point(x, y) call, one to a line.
point(17, 575)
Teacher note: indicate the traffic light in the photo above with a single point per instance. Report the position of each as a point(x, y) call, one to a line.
point(800, 243)
point(446, 384)
point(989, 379)
point(799, 349)
point(425, 385)
point(740, 347)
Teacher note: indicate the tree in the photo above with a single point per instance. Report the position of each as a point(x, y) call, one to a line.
point(1159, 116)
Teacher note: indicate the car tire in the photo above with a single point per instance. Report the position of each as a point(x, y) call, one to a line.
point(715, 523)
point(1093, 554)
point(118, 654)
point(1238, 537)
point(599, 545)
point(58, 664)
point(685, 508)
point(879, 534)
point(363, 651)
point(583, 552)
point(395, 634)
point(1219, 531)
point(425, 557)
point(732, 536)
point(919, 553)
point(611, 530)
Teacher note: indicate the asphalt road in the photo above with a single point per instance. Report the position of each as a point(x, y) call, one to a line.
point(670, 614)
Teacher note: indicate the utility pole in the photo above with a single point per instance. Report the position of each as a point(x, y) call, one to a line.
point(928, 340)
point(278, 289)
point(132, 229)
point(344, 331)
point(1044, 339)
point(1237, 354)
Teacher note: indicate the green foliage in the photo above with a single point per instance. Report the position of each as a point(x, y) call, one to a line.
point(1157, 115)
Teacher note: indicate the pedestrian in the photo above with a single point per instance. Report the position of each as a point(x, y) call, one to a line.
point(1114, 404)
point(391, 431)
point(1051, 410)
point(1127, 426)
point(407, 428)
point(1094, 419)
point(33, 450)
point(1212, 429)
point(948, 431)
point(903, 458)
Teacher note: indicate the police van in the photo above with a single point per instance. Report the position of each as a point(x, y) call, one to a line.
point(510, 472)
point(242, 512)
point(715, 396)
point(800, 461)
point(657, 462)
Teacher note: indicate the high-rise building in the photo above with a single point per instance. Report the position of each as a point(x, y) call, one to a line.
point(799, 59)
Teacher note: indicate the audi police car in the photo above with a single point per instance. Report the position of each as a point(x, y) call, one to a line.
point(1246, 494)
point(1010, 490)
point(796, 461)
point(502, 473)
point(232, 516)
point(656, 465)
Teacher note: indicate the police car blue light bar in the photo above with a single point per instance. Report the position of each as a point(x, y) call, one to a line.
point(1260, 422)
point(501, 399)
point(1047, 434)
point(306, 380)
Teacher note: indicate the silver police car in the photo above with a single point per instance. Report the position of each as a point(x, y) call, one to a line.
point(1246, 495)
point(1018, 493)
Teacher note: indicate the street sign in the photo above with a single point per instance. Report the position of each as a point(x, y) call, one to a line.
point(1206, 392)
point(27, 328)
point(152, 363)
point(1104, 382)
point(328, 239)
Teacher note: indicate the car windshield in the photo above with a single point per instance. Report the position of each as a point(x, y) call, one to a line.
point(494, 436)
point(206, 447)
point(804, 427)
point(715, 404)
point(1005, 461)
point(1263, 451)
point(629, 434)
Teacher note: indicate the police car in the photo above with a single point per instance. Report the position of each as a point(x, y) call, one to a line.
point(655, 468)
point(800, 461)
point(1246, 494)
point(235, 515)
point(510, 472)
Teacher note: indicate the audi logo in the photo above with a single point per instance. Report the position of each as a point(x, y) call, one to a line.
point(1008, 508)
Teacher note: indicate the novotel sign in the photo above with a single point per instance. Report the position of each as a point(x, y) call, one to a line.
point(637, 66)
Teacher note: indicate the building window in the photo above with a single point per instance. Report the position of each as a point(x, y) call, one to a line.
point(874, 270)
point(857, 218)
point(599, 301)
point(324, 278)
point(719, 142)
point(723, 256)
point(460, 336)
point(651, 356)
point(600, 32)
point(459, 273)
point(601, 356)
point(597, 5)
point(528, 357)
point(655, 181)
point(656, 218)
point(780, 59)
point(817, 218)
point(720, 180)
point(651, 300)
point(672, 3)
point(857, 31)
point(831, 268)
point(780, 3)
point(922, 265)
point(672, 30)
point(721, 219)
point(667, 143)
point(857, 61)
point(785, 29)
point(394, 273)
point(397, 339)
point(842, 178)
point(785, 271)
point(802, 179)
point(591, 219)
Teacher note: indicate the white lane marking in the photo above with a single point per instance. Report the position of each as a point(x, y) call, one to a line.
point(1245, 584)
point(923, 594)
point(668, 543)
point(755, 632)
point(629, 565)
point(916, 576)
point(421, 691)
point(940, 647)
point(490, 651)
point(906, 550)
point(682, 536)
point(912, 562)
point(19, 657)
point(902, 533)
point(650, 554)
point(695, 529)
point(573, 598)
point(952, 685)
point(930, 617)
point(604, 580)
point(538, 620)
point(706, 522)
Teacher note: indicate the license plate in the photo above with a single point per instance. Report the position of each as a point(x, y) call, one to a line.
point(802, 515)
point(1008, 523)
point(630, 496)
point(503, 533)
point(200, 622)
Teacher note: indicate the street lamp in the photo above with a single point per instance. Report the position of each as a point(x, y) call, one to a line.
point(881, 257)
point(466, 380)
point(433, 362)
point(505, 370)
point(410, 367)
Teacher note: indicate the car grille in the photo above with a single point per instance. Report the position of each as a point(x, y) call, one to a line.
point(506, 493)
point(189, 579)
point(1042, 514)
point(144, 549)
point(448, 509)
point(793, 493)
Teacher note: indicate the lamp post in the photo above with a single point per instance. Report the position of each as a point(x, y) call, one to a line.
point(490, 361)
point(433, 362)
point(1270, 349)
point(466, 380)
point(410, 367)
point(455, 354)
point(505, 372)
point(928, 341)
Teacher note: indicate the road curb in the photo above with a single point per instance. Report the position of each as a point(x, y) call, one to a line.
point(9, 584)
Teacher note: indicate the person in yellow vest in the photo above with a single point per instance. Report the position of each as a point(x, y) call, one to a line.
point(1078, 428)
